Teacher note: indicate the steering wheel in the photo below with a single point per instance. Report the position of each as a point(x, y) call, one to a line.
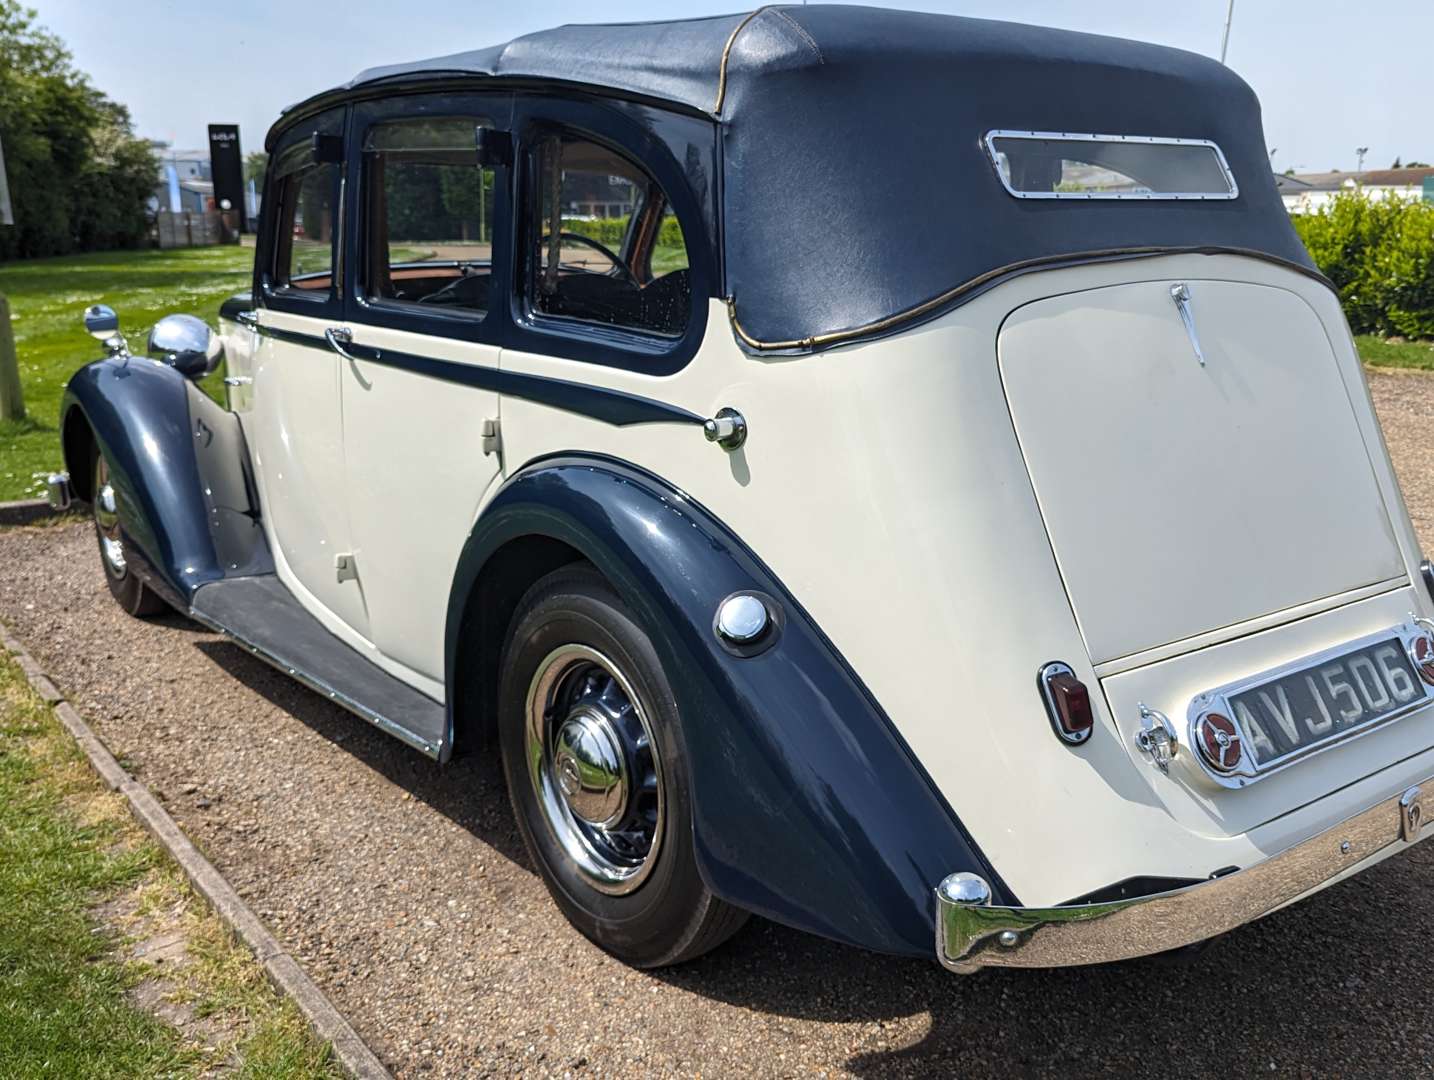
point(602, 249)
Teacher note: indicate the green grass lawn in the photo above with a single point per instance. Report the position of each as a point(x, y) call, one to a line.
point(1396, 352)
point(47, 300)
point(67, 845)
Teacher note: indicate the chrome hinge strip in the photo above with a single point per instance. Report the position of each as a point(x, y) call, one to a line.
point(1181, 295)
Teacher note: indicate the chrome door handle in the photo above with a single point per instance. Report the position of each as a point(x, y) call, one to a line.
point(1181, 295)
point(237, 380)
point(338, 337)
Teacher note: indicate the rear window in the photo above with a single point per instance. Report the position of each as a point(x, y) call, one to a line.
point(603, 245)
point(1059, 165)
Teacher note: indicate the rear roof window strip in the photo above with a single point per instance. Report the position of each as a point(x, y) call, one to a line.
point(1062, 165)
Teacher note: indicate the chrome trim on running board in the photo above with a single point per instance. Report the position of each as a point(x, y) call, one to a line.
point(338, 697)
point(971, 935)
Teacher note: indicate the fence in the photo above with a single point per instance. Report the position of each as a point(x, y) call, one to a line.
point(190, 229)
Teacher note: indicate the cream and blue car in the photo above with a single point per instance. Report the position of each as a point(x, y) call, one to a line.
point(899, 475)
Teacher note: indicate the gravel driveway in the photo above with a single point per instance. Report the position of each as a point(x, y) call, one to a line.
point(404, 890)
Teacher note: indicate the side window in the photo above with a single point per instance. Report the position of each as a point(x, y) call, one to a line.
point(603, 244)
point(308, 216)
point(428, 214)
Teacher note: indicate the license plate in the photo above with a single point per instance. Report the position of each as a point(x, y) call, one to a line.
point(1251, 728)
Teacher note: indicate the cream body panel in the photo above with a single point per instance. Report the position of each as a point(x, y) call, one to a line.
point(416, 475)
point(240, 344)
point(295, 424)
point(884, 485)
point(1169, 686)
point(295, 433)
point(1247, 474)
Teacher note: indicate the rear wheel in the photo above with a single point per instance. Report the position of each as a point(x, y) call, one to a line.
point(128, 590)
point(590, 746)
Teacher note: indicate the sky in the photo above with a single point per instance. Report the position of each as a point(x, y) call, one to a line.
point(1333, 75)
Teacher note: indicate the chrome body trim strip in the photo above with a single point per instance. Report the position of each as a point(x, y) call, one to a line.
point(972, 936)
point(1218, 700)
point(988, 141)
point(338, 697)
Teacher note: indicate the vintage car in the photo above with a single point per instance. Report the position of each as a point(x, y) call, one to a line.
point(896, 474)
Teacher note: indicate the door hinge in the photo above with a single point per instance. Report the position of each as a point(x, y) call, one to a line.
point(492, 434)
point(345, 567)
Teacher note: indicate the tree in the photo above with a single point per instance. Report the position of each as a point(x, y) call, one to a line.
point(256, 164)
point(79, 178)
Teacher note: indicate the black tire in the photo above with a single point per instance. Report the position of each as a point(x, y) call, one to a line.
point(128, 590)
point(669, 915)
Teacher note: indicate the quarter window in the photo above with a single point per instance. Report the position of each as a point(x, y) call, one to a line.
point(429, 215)
point(307, 219)
point(603, 244)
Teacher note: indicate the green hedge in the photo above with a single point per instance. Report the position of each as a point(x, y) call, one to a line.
point(611, 231)
point(1380, 256)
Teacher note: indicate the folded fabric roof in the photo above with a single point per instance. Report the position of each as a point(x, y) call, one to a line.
point(856, 187)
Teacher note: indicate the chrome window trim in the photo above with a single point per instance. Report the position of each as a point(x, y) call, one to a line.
point(988, 141)
point(1218, 700)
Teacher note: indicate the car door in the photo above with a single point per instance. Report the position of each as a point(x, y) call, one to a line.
point(418, 374)
point(294, 423)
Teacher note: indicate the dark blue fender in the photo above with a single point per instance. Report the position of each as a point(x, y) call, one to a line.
point(809, 808)
point(180, 467)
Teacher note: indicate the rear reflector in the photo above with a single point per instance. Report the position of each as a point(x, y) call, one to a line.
point(1067, 702)
point(1421, 651)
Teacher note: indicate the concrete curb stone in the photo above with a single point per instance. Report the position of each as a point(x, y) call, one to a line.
point(283, 971)
point(25, 511)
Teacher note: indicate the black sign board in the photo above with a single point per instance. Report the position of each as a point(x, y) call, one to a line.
point(226, 162)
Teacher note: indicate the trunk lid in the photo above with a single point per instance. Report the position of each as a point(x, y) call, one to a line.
point(1181, 498)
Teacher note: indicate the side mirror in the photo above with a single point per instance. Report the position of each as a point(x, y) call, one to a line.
point(102, 324)
point(187, 344)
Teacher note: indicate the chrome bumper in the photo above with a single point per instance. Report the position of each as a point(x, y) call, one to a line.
point(58, 486)
point(972, 934)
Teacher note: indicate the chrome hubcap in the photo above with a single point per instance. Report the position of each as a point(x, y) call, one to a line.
point(594, 769)
point(107, 520)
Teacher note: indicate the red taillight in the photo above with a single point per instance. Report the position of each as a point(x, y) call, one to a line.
point(1218, 740)
point(1067, 701)
point(1421, 651)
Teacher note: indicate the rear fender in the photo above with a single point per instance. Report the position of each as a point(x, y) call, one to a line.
point(180, 469)
point(807, 806)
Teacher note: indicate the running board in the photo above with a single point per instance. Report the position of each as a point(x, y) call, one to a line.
point(264, 617)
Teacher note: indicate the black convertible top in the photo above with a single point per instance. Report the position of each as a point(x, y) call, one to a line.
point(856, 190)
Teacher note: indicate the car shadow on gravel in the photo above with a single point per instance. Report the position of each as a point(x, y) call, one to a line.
point(1306, 992)
point(469, 791)
point(1309, 991)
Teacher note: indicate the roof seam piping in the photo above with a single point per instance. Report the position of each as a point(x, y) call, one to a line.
point(926, 307)
point(726, 55)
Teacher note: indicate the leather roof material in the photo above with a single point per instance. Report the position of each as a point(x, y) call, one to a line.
point(856, 189)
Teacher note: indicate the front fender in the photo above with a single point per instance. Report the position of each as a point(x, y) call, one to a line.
point(179, 466)
point(808, 807)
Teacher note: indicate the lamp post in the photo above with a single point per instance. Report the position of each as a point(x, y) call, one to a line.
point(12, 398)
point(1225, 40)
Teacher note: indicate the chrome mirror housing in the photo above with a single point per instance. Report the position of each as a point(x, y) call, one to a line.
point(102, 324)
point(187, 344)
